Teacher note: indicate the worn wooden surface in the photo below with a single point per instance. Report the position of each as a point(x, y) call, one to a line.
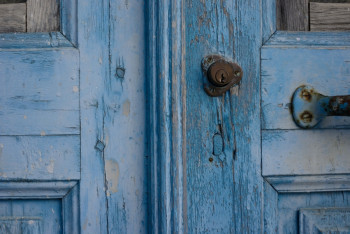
point(290, 206)
point(303, 169)
point(94, 66)
point(36, 157)
point(13, 17)
point(292, 15)
point(329, 16)
point(198, 191)
point(23, 216)
point(40, 92)
point(43, 16)
point(285, 67)
point(124, 127)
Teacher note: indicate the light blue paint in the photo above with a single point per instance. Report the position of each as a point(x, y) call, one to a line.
point(114, 127)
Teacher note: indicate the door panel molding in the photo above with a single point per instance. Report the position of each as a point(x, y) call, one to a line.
point(309, 183)
point(67, 191)
point(167, 107)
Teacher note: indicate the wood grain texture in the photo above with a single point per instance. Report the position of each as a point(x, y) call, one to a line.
point(40, 92)
point(285, 68)
point(292, 15)
point(43, 16)
point(40, 158)
point(329, 16)
point(13, 17)
point(223, 192)
point(124, 127)
point(93, 40)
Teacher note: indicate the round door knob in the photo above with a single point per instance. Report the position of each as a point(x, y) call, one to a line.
point(222, 74)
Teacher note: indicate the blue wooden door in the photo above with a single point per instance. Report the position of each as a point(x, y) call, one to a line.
point(238, 163)
point(72, 123)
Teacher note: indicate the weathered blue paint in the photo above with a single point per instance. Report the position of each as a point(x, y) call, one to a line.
point(213, 164)
point(310, 107)
point(306, 172)
point(192, 189)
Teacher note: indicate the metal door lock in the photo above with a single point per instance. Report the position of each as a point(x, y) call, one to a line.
point(222, 74)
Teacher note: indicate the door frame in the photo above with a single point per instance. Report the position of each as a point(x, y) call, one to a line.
point(167, 131)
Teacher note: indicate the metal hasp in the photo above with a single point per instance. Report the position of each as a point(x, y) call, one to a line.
point(310, 107)
point(222, 74)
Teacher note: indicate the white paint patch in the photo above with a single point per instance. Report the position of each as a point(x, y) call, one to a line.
point(50, 167)
point(126, 108)
point(112, 176)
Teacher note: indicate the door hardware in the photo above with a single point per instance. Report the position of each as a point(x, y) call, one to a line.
point(222, 74)
point(310, 107)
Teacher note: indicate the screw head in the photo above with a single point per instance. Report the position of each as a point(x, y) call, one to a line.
point(306, 117)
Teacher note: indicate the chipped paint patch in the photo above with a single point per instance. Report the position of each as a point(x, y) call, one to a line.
point(50, 167)
point(42, 133)
point(24, 117)
point(112, 176)
point(126, 108)
point(75, 89)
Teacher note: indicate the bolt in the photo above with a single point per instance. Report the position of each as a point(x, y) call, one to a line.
point(306, 95)
point(120, 72)
point(306, 117)
point(221, 76)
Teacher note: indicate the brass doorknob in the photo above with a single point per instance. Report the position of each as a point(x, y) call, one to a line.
point(222, 74)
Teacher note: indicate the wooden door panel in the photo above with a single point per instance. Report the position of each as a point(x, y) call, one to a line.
point(40, 158)
point(40, 91)
point(305, 152)
point(306, 172)
point(31, 216)
point(286, 67)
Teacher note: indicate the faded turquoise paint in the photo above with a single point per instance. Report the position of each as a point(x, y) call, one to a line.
point(72, 109)
point(306, 172)
point(73, 122)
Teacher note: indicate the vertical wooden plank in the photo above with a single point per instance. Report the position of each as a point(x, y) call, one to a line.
point(246, 118)
point(292, 15)
point(43, 16)
point(93, 25)
point(224, 192)
point(210, 29)
point(12, 17)
point(124, 120)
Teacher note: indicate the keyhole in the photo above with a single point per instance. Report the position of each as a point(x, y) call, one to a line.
point(221, 76)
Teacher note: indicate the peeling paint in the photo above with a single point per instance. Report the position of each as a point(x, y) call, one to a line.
point(126, 108)
point(112, 176)
point(50, 167)
point(75, 89)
